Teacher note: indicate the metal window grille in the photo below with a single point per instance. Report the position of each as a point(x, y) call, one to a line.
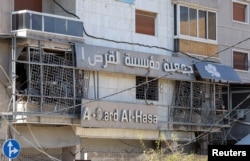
point(53, 82)
point(147, 88)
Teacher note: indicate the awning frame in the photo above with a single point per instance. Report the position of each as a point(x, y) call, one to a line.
point(217, 72)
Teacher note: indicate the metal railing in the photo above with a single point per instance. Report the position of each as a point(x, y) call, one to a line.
point(198, 116)
point(48, 23)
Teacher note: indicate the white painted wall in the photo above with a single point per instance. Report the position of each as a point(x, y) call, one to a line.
point(110, 83)
point(115, 20)
point(50, 7)
point(114, 145)
point(230, 33)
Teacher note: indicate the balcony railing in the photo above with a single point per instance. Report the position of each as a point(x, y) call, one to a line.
point(49, 23)
point(198, 116)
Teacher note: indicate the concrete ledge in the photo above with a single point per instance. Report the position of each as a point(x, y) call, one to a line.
point(117, 133)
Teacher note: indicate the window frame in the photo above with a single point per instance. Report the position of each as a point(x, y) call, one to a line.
point(152, 86)
point(147, 14)
point(246, 12)
point(178, 33)
point(246, 63)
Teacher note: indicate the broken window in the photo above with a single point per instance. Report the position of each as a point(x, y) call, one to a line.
point(197, 102)
point(48, 78)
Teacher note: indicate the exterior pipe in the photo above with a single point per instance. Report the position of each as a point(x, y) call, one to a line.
point(13, 74)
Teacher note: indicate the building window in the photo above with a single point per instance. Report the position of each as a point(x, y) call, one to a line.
point(188, 21)
point(146, 88)
point(197, 23)
point(240, 12)
point(240, 60)
point(211, 23)
point(28, 5)
point(145, 22)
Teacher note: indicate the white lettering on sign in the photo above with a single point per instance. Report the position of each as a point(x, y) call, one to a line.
point(176, 67)
point(86, 114)
point(142, 63)
point(123, 115)
point(113, 57)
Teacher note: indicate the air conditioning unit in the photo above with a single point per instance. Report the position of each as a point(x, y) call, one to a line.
point(240, 114)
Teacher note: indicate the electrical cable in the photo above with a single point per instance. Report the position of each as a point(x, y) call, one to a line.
point(27, 141)
point(205, 133)
point(145, 82)
point(121, 42)
point(139, 45)
point(14, 128)
point(35, 139)
point(238, 43)
point(148, 46)
point(70, 13)
point(229, 130)
point(234, 122)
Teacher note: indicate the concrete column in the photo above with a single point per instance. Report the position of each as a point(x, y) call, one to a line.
point(4, 135)
point(71, 153)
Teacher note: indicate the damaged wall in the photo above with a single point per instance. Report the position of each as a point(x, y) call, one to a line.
point(48, 79)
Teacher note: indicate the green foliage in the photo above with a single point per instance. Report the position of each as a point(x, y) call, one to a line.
point(169, 153)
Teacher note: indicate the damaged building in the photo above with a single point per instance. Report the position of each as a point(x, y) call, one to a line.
point(92, 80)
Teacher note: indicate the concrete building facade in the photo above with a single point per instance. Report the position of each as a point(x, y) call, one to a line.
point(103, 79)
point(234, 29)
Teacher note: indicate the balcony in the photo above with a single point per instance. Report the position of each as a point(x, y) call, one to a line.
point(29, 23)
point(198, 117)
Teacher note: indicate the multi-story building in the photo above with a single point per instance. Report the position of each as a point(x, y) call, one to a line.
point(198, 33)
point(234, 33)
point(94, 79)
